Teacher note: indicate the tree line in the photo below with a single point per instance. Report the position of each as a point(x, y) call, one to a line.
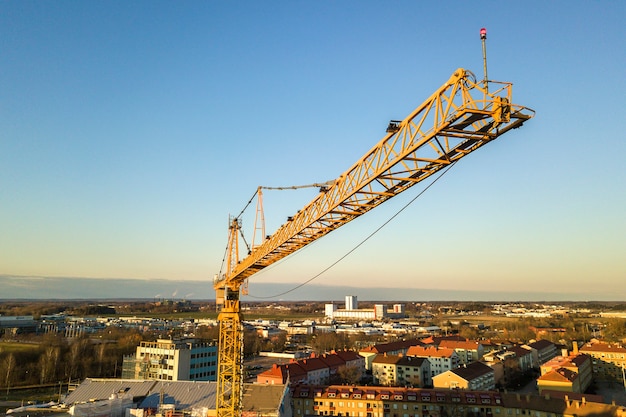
point(52, 358)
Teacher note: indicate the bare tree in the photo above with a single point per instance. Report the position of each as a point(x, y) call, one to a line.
point(9, 364)
point(48, 363)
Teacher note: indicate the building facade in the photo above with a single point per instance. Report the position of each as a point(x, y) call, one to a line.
point(398, 370)
point(475, 376)
point(608, 360)
point(572, 373)
point(366, 401)
point(173, 360)
point(468, 350)
point(441, 359)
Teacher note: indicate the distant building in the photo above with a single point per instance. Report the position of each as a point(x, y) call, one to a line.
point(351, 302)
point(475, 376)
point(352, 312)
point(17, 324)
point(173, 360)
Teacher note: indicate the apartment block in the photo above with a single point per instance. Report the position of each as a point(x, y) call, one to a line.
point(468, 350)
point(173, 360)
point(399, 370)
point(572, 373)
point(474, 376)
point(441, 359)
point(542, 351)
point(313, 370)
point(399, 347)
point(608, 360)
point(370, 401)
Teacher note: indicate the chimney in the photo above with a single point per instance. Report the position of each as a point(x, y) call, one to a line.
point(574, 347)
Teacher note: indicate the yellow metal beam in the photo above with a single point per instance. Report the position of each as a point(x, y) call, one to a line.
point(457, 119)
point(460, 117)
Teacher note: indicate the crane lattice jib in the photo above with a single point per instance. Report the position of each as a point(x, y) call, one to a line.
point(457, 119)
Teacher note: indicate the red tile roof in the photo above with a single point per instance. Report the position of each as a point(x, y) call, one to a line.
point(459, 344)
point(430, 351)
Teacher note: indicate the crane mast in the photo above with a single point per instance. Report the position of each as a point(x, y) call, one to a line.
point(460, 117)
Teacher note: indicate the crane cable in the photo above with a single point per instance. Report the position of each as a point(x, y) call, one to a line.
point(360, 243)
point(321, 185)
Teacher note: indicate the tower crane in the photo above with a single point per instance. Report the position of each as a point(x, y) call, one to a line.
point(460, 117)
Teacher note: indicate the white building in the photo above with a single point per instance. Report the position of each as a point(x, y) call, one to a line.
point(352, 312)
point(351, 302)
point(173, 360)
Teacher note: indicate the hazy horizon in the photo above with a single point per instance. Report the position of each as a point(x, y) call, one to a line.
point(72, 288)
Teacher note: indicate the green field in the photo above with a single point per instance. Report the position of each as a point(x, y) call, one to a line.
point(12, 347)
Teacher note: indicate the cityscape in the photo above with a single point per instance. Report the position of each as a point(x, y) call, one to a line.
point(436, 358)
point(312, 209)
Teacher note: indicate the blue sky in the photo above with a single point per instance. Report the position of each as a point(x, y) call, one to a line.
point(129, 131)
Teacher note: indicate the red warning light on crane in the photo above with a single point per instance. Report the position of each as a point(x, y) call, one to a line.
point(483, 33)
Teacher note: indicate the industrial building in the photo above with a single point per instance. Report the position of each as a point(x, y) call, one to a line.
point(121, 397)
point(352, 312)
point(17, 324)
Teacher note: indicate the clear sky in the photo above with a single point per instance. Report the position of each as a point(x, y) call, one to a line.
point(129, 131)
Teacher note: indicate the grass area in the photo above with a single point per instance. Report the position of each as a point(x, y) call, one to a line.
point(38, 395)
point(12, 347)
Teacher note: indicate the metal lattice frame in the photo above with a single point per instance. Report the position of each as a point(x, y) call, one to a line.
point(456, 120)
point(230, 362)
point(459, 118)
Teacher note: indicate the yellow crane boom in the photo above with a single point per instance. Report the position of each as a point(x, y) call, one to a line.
point(460, 117)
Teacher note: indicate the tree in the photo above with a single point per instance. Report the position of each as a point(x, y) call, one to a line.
point(9, 367)
point(349, 374)
point(48, 363)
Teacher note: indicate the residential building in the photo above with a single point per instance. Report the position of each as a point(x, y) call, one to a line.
point(351, 358)
point(475, 376)
point(370, 401)
point(399, 370)
point(542, 350)
point(468, 350)
point(399, 347)
point(560, 379)
point(313, 370)
point(523, 357)
point(290, 373)
point(173, 360)
point(608, 359)
point(571, 373)
point(441, 359)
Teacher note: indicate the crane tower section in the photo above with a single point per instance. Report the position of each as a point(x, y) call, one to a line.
point(460, 117)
